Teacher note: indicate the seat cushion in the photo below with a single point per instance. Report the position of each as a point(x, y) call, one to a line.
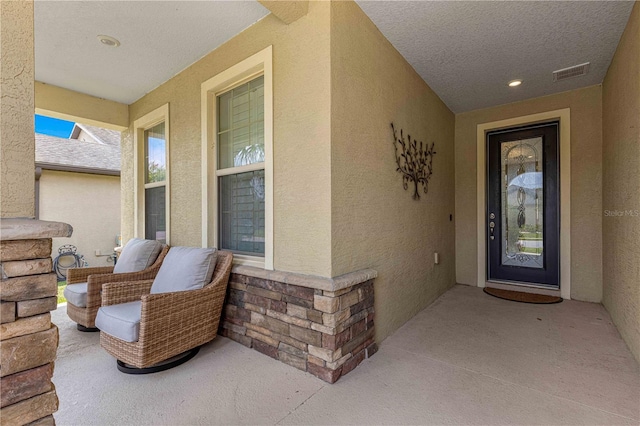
point(137, 255)
point(121, 321)
point(76, 294)
point(185, 268)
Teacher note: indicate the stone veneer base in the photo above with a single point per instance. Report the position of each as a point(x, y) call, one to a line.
point(319, 325)
point(29, 341)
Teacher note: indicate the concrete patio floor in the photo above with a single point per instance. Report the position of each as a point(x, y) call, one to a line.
point(468, 358)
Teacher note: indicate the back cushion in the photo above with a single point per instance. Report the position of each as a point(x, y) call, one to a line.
point(137, 255)
point(185, 268)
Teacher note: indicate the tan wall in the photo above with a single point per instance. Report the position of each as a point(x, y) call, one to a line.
point(621, 185)
point(90, 204)
point(17, 143)
point(375, 222)
point(302, 198)
point(57, 102)
point(586, 185)
point(127, 185)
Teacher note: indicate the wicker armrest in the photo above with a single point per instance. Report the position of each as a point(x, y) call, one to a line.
point(81, 275)
point(164, 312)
point(115, 293)
point(95, 283)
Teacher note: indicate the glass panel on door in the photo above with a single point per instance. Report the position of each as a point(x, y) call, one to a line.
point(522, 203)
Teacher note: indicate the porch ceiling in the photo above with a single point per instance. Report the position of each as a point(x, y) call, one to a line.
point(158, 40)
point(466, 51)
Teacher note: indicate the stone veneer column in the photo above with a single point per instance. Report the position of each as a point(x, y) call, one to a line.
point(28, 339)
point(319, 325)
point(17, 140)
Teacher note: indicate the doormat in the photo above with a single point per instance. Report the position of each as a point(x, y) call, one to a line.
point(519, 296)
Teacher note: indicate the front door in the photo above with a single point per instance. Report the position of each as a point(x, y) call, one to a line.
point(523, 226)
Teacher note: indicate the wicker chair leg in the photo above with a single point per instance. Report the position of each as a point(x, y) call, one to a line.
point(161, 366)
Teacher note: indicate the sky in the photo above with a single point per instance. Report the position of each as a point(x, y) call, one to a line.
point(157, 151)
point(53, 126)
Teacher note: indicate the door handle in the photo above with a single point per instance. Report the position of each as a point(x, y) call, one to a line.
point(492, 225)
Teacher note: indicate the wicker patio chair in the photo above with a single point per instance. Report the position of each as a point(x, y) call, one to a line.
point(85, 316)
point(172, 325)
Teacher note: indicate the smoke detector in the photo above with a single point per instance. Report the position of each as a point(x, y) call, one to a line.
point(574, 71)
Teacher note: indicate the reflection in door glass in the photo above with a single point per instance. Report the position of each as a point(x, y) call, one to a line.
point(522, 189)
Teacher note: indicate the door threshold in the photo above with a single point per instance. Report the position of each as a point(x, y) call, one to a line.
point(524, 288)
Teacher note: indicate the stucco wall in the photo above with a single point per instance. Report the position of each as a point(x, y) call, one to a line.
point(90, 204)
point(375, 222)
point(301, 143)
point(621, 185)
point(17, 144)
point(57, 102)
point(586, 185)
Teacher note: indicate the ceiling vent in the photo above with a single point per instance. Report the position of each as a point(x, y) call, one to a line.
point(575, 71)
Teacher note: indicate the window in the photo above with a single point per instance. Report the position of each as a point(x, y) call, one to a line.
point(152, 175)
point(155, 183)
point(240, 168)
point(237, 180)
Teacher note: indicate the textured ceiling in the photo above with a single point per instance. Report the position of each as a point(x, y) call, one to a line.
point(468, 51)
point(158, 40)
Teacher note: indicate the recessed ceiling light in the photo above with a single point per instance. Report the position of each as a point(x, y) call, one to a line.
point(108, 41)
point(514, 83)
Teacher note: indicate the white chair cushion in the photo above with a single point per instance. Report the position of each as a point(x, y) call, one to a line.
point(76, 294)
point(137, 255)
point(185, 268)
point(121, 321)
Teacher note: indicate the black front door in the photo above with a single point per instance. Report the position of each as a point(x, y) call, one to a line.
point(523, 224)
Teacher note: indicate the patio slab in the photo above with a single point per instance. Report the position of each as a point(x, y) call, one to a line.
point(226, 383)
point(467, 359)
point(569, 350)
point(404, 388)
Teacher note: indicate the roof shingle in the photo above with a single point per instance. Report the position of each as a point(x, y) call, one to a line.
point(75, 153)
point(109, 137)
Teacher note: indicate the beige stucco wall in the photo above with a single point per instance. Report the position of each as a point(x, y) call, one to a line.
point(90, 204)
point(58, 102)
point(301, 143)
point(586, 185)
point(17, 144)
point(375, 222)
point(621, 185)
point(332, 215)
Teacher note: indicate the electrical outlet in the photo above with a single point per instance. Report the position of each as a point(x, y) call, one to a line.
point(436, 258)
point(98, 253)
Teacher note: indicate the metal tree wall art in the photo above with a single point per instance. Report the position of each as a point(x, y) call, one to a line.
point(414, 160)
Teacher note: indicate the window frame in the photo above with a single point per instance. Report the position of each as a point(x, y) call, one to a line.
point(258, 64)
point(140, 125)
point(236, 170)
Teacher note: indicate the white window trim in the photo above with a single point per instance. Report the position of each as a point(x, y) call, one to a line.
point(260, 63)
point(139, 126)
